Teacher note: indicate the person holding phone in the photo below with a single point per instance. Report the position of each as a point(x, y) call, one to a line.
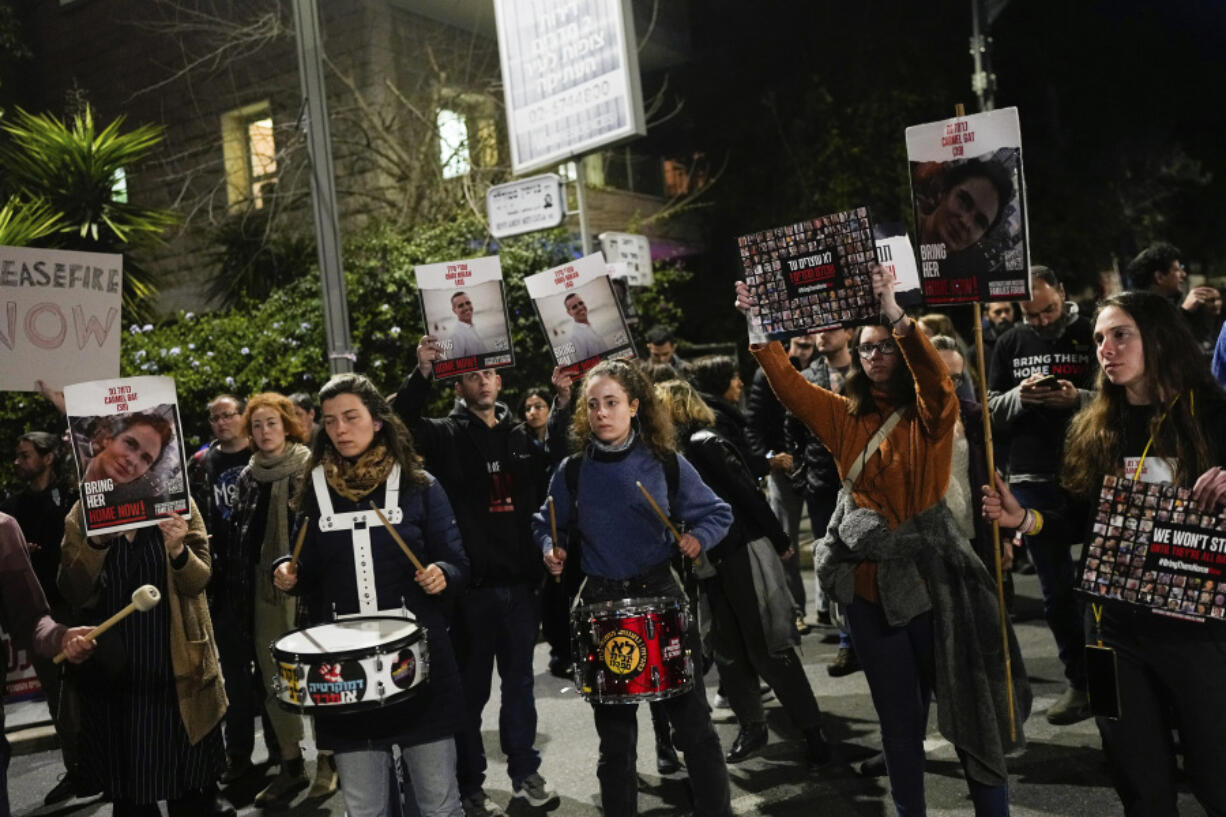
point(1157, 417)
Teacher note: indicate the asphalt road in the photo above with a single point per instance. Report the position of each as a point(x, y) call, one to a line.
point(1061, 772)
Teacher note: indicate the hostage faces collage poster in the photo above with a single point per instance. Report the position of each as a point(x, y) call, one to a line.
point(463, 304)
point(811, 275)
point(580, 314)
point(1151, 546)
point(969, 198)
point(128, 445)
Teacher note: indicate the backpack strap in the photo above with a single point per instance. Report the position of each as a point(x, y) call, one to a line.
point(874, 443)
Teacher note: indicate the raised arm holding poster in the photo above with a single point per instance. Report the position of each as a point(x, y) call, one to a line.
point(969, 195)
point(811, 275)
point(580, 314)
point(128, 446)
point(895, 254)
point(464, 306)
point(59, 316)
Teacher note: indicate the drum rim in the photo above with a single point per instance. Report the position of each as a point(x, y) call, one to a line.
point(637, 601)
point(395, 645)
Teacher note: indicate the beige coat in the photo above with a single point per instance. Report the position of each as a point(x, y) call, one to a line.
point(193, 651)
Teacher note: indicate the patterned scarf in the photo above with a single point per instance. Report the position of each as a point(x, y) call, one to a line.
point(358, 478)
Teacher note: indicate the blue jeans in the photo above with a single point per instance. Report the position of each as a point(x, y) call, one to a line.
point(497, 624)
point(899, 664)
point(366, 780)
point(1053, 562)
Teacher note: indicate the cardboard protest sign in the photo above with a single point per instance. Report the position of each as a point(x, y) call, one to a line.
point(128, 446)
point(969, 195)
point(59, 316)
point(1151, 546)
point(578, 309)
point(464, 306)
point(811, 275)
point(895, 255)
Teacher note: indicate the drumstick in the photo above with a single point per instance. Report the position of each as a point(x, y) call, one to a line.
point(553, 527)
point(293, 562)
point(664, 517)
point(396, 536)
point(144, 598)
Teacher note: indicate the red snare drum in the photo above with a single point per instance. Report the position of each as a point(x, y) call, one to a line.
point(632, 650)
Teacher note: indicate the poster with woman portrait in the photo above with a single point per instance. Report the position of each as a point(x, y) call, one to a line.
point(580, 314)
point(969, 195)
point(464, 306)
point(128, 445)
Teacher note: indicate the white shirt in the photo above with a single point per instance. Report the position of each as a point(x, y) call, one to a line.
point(585, 342)
point(465, 341)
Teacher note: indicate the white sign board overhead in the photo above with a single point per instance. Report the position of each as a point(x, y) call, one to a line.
point(59, 316)
point(570, 76)
point(531, 204)
point(634, 251)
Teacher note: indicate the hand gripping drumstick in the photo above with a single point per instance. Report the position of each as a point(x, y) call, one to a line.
point(664, 518)
point(144, 598)
point(396, 536)
point(553, 527)
point(293, 562)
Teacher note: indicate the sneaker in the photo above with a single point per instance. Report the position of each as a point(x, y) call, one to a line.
point(721, 701)
point(1073, 706)
point(844, 663)
point(478, 805)
point(532, 788)
point(61, 791)
point(236, 769)
point(823, 618)
point(290, 780)
point(802, 626)
point(667, 761)
point(326, 777)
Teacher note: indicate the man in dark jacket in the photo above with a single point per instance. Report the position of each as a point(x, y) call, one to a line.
point(495, 476)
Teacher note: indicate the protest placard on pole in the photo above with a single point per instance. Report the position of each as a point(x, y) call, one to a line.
point(463, 304)
point(579, 313)
point(59, 316)
point(128, 446)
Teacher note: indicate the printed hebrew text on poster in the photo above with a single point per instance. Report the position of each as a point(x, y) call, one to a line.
point(896, 257)
point(570, 78)
point(128, 445)
point(59, 316)
point(1151, 546)
point(464, 307)
point(811, 275)
point(579, 313)
point(969, 195)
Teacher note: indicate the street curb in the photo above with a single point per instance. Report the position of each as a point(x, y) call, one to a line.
point(32, 739)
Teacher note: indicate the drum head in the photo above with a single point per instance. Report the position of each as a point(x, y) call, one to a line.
point(350, 638)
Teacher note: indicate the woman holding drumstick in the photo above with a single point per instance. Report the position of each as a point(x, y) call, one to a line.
point(364, 453)
point(626, 437)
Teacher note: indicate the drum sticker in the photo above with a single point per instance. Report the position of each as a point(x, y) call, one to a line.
point(672, 649)
point(623, 652)
point(404, 671)
point(291, 676)
point(335, 684)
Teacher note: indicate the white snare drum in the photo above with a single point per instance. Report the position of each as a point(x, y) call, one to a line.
point(358, 663)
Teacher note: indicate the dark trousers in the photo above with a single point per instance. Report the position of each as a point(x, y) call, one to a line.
point(740, 650)
point(555, 612)
point(63, 700)
point(617, 724)
point(236, 654)
point(899, 664)
point(820, 505)
point(497, 624)
point(1053, 562)
point(1171, 673)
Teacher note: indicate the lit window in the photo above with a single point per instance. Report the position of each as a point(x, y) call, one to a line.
point(453, 143)
point(119, 186)
point(250, 153)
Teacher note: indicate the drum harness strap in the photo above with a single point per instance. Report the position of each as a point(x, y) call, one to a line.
point(359, 524)
point(573, 465)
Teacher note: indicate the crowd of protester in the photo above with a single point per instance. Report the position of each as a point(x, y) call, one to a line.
point(875, 433)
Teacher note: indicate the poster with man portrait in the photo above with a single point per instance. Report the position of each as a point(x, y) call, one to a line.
point(969, 195)
point(463, 304)
point(813, 275)
point(128, 445)
point(580, 314)
point(1151, 546)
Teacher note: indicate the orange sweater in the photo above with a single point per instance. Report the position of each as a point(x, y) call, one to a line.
point(910, 471)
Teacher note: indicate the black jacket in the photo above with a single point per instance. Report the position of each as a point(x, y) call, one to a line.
point(724, 471)
point(731, 424)
point(499, 545)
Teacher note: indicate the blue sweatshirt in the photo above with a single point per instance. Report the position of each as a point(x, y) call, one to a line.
point(622, 535)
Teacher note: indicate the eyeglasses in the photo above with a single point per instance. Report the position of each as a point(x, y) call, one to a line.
point(957, 378)
point(886, 347)
point(217, 418)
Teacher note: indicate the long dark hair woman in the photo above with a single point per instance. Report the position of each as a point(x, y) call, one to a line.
point(1158, 417)
point(745, 646)
point(365, 454)
point(625, 438)
point(920, 605)
point(262, 516)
